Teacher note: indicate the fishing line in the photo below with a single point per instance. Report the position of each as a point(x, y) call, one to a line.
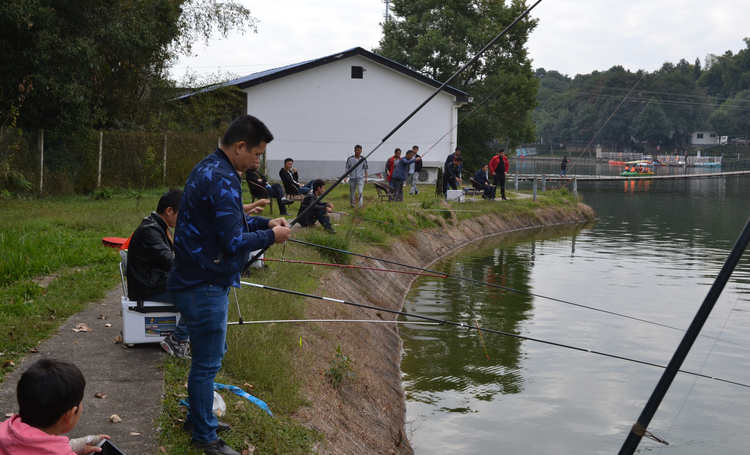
point(300, 321)
point(487, 330)
point(498, 286)
point(350, 266)
point(408, 117)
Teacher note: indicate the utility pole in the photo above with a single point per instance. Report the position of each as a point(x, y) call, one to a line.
point(387, 10)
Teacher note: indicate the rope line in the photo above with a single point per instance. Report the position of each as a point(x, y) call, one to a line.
point(348, 266)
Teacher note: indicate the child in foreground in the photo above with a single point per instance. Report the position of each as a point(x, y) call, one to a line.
point(49, 397)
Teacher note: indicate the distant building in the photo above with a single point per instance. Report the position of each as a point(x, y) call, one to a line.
point(704, 138)
point(319, 109)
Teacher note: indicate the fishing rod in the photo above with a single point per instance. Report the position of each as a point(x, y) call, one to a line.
point(640, 427)
point(498, 286)
point(408, 117)
point(486, 330)
point(301, 321)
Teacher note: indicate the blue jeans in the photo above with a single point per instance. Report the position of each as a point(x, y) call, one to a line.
point(180, 332)
point(204, 309)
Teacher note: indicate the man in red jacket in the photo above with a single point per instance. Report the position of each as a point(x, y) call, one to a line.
point(499, 165)
point(390, 163)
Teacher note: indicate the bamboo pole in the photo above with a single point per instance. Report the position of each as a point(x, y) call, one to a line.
point(99, 172)
point(41, 161)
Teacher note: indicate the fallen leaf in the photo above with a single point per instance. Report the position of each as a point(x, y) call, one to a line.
point(102, 316)
point(248, 386)
point(34, 350)
point(101, 395)
point(118, 339)
point(9, 363)
point(81, 327)
point(134, 433)
point(114, 418)
point(108, 325)
point(162, 449)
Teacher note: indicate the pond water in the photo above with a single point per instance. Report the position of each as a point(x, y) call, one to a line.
point(652, 254)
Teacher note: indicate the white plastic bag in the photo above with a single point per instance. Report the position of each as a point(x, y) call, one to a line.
point(219, 408)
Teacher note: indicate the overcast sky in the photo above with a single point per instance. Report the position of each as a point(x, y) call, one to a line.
point(572, 36)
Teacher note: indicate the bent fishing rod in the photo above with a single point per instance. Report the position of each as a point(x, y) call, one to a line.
point(483, 329)
point(499, 286)
point(442, 86)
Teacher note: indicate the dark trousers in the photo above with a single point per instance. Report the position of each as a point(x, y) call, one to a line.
point(450, 183)
point(319, 214)
point(489, 190)
point(277, 192)
point(500, 183)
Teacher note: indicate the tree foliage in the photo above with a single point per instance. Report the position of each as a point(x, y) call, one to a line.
point(437, 37)
point(664, 107)
point(97, 63)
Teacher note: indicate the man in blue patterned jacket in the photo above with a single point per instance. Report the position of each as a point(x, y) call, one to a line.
point(213, 240)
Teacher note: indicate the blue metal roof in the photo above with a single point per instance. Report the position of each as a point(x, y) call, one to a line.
point(275, 73)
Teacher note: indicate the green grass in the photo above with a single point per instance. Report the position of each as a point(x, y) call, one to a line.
point(63, 236)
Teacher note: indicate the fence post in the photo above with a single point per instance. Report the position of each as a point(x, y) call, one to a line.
point(515, 179)
point(99, 173)
point(544, 183)
point(164, 164)
point(41, 161)
point(533, 188)
point(575, 186)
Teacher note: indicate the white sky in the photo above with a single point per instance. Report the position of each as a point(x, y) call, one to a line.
point(572, 36)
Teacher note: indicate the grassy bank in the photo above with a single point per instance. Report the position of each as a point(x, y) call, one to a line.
point(63, 236)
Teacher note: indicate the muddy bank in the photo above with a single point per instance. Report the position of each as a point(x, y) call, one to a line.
point(366, 414)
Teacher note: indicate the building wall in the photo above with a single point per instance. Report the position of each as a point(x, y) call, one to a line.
point(318, 115)
point(704, 138)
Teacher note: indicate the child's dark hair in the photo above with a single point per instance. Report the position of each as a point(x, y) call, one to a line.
point(170, 199)
point(47, 390)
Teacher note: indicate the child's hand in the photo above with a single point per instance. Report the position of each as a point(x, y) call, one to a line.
point(91, 444)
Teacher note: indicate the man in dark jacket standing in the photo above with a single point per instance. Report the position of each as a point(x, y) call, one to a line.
point(212, 244)
point(150, 256)
point(499, 165)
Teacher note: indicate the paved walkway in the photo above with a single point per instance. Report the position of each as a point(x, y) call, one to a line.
point(131, 378)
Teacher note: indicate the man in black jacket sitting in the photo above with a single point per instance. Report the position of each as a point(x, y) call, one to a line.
point(320, 211)
point(482, 182)
point(150, 256)
point(290, 178)
point(260, 188)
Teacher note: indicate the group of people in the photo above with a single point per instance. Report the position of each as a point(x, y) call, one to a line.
point(487, 178)
point(400, 170)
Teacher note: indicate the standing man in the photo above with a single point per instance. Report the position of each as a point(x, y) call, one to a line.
point(414, 168)
point(449, 163)
point(212, 244)
point(391, 163)
point(564, 166)
point(358, 178)
point(499, 165)
point(400, 170)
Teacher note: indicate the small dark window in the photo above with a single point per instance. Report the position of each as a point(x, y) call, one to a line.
point(357, 72)
point(700, 135)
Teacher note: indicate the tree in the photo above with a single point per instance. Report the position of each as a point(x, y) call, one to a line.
point(74, 65)
point(437, 37)
point(652, 125)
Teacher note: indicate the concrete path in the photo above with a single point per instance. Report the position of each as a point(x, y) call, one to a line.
point(131, 378)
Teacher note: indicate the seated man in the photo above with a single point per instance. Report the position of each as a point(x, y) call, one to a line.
point(260, 188)
point(290, 178)
point(320, 211)
point(482, 182)
point(150, 256)
point(49, 396)
point(452, 174)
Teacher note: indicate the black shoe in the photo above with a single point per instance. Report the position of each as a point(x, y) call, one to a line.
point(330, 230)
point(287, 201)
point(217, 447)
point(188, 426)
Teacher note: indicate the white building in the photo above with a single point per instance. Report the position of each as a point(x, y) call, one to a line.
point(319, 109)
point(704, 138)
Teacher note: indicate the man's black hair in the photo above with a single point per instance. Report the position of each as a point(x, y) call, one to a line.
point(170, 199)
point(502, 150)
point(357, 147)
point(458, 149)
point(47, 390)
point(249, 129)
point(415, 147)
point(286, 160)
point(317, 183)
point(397, 150)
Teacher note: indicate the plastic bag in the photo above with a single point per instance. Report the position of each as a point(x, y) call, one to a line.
point(219, 407)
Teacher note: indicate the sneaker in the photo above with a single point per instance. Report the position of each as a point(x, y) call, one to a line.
point(175, 348)
point(218, 447)
point(188, 426)
point(330, 230)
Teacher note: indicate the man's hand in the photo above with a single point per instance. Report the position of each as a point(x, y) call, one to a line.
point(281, 233)
point(278, 222)
point(255, 207)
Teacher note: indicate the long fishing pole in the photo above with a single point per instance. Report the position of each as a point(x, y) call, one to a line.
point(641, 425)
point(484, 329)
point(357, 267)
point(408, 117)
point(499, 286)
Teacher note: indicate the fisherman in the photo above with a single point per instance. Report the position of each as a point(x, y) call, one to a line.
point(452, 173)
point(319, 212)
point(449, 162)
point(482, 182)
point(150, 256)
point(414, 169)
point(213, 241)
point(390, 164)
point(400, 170)
point(564, 166)
point(290, 178)
point(358, 178)
point(499, 165)
point(261, 189)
